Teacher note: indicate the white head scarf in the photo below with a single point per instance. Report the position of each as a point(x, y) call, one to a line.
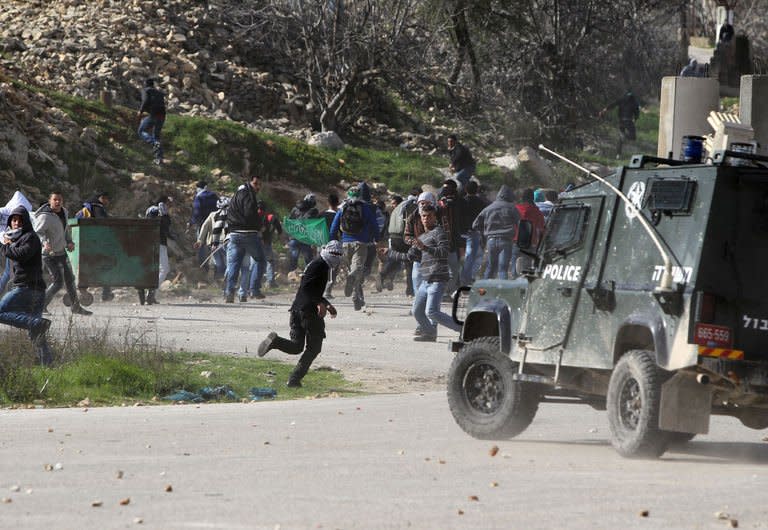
point(427, 196)
point(331, 253)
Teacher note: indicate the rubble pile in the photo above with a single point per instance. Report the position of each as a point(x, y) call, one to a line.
point(106, 48)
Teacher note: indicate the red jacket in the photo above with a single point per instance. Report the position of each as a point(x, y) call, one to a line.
point(530, 212)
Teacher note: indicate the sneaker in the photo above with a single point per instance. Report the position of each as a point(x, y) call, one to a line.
point(266, 344)
point(425, 338)
point(258, 296)
point(229, 299)
point(358, 304)
point(243, 298)
point(293, 384)
point(107, 297)
point(37, 333)
point(77, 309)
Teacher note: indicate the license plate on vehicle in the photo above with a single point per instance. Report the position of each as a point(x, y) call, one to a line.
point(713, 336)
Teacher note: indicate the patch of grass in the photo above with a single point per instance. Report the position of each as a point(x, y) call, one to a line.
point(137, 371)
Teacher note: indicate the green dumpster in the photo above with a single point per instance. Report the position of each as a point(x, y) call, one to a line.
point(115, 252)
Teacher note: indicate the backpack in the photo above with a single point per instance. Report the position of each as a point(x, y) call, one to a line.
point(397, 220)
point(352, 220)
point(84, 212)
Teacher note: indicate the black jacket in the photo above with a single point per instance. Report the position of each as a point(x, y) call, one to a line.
point(26, 254)
point(461, 158)
point(471, 206)
point(312, 286)
point(243, 212)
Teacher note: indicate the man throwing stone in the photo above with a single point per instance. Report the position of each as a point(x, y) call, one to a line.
point(307, 313)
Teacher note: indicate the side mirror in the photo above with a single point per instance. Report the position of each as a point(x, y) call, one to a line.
point(524, 234)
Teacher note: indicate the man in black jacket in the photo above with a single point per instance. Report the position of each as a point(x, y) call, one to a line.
point(22, 305)
point(153, 103)
point(245, 223)
point(462, 163)
point(307, 313)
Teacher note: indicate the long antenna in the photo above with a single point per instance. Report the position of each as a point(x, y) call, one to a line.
point(665, 284)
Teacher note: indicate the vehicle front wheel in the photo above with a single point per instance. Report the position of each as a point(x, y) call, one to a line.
point(633, 402)
point(484, 399)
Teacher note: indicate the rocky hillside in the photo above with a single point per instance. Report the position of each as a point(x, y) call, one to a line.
point(106, 48)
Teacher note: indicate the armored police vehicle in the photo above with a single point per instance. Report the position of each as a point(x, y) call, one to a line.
point(646, 296)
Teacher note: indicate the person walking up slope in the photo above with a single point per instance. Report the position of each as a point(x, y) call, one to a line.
point(307, 313)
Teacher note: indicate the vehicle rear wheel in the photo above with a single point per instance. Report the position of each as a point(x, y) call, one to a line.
point(484, 400)
point(633, 402)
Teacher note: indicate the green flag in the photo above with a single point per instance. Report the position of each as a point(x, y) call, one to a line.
point(309, 231)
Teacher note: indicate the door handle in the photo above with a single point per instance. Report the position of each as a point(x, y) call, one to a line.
point(565, 291)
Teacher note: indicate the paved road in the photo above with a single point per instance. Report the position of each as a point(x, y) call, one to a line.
point(385, 461)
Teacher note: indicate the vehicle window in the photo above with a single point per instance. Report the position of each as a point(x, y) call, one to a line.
point(566, 227)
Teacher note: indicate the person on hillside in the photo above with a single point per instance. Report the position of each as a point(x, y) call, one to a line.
point(307, 314)
point(160, 210)
point(431, 249)
point(245, 225)
point(153, 104)
point(462, 163)
point(628, 110)
point(51, 226)
point(356, 227)
point(22, 306)
point(306, 208)
point(203, 205)
point(691, 69)
point(498, 223)
point(96, 208)
point(471, 206)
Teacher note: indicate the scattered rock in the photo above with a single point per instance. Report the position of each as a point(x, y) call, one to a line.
point(125, 502)
point(327, 140)
point(494, 450)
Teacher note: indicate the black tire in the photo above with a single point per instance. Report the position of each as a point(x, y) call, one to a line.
point(633, 402)
point(484, 400)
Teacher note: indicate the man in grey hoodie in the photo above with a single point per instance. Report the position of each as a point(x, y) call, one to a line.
point(498, 224)
point(51, 226)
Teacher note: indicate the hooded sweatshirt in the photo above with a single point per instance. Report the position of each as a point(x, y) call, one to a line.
point(500, 218)
point(52, 229)
point(25, 254)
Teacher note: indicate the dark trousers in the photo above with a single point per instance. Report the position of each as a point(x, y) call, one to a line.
point(391, 267)
point(307, 328)
point(61, 274)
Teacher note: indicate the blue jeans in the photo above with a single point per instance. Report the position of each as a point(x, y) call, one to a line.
point(473, 252)
point(499, 255)
point(22, 307)
point(263, 269)
point(464, 175)
point(155, 124)
point(296, 249)
point(219, 263)
point(241, 245)
point(426, 309)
